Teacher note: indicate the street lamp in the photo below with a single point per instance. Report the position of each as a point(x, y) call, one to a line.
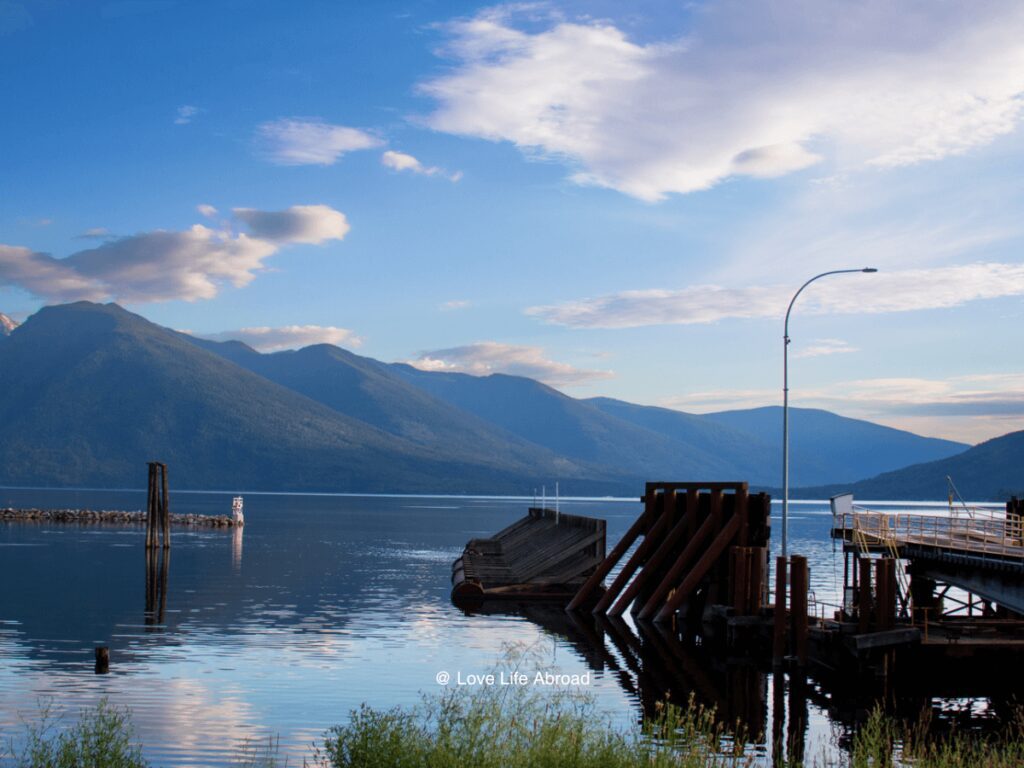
point(785, 403)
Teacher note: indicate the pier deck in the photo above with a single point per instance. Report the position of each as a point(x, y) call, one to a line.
point(545, 555)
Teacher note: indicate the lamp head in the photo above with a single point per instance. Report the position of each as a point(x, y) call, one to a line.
point(869, 269)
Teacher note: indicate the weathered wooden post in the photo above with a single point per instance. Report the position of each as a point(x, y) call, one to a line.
point(885, 592)
point(165, 508)
point(102, 659)
point(798, 602)
point(864, 596)
point(151, 508)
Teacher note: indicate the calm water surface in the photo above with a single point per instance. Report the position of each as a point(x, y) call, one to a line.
point(320, 604)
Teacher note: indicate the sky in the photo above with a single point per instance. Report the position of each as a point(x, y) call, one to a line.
point(619, 199)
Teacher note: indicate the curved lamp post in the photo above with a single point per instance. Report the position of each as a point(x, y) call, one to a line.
point(785, 403)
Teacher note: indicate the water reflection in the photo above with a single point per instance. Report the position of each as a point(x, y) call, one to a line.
point(341, 601)
point(654, 664)
point(236, 548)
point(158, 562)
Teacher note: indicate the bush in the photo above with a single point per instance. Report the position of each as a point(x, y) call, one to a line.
point(102, 737)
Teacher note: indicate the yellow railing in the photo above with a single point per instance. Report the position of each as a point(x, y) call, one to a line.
point(986, 532)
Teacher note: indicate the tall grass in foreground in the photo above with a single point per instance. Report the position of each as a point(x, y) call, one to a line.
point(522, 727)
point(102, 737)
point(516, 728)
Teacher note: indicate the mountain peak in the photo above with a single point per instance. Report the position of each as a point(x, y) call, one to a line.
point(7, 325)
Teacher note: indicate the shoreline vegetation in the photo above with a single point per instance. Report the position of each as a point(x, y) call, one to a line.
point(517, 728)
point(118, 517)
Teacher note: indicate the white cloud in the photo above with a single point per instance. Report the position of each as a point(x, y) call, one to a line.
point(902, 291)
point(823, 347)
point(302, 141)
point(206, 210)
point(185, 114)
point(95, 233)
point(267, 339)
point(299, 224)
point(400, 161)
point(487, 357)
point(162, 265)
point(454, 304)
point(758, 89)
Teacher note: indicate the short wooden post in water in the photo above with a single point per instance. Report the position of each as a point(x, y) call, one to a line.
point(798, 601)
point(102, 659)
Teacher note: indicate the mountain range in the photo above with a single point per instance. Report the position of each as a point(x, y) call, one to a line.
point(93, 391)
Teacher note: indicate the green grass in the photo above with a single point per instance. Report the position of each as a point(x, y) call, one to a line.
point(102, 737)
point(520, 727)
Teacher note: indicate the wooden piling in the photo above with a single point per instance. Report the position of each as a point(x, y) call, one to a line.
point(685, 552)
point(620, 549)
point(631, 566)
point(885, 593)
point(151, 508)
point(740, 559)
point(667, 546)
point(798, 600)
point(102, 659)
point(779, 637)
point(165, 508)
point(864, 596)
point(700, 570)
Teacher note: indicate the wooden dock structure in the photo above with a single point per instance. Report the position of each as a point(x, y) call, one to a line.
point(700, 542)
point(697, 557)
point(545, 555)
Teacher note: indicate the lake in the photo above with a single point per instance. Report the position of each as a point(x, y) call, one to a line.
point(321, 603)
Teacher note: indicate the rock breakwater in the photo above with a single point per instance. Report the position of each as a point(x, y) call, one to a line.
point(118, 517)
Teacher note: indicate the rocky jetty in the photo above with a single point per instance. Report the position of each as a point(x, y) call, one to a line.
point(110, 516)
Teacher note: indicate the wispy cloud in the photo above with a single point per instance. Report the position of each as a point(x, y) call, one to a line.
point(206, 210)
point(162, 265)
point(185, 114)
point(309, 141)
point(95, 233)
point(970, 408)
point(902, 291)
point(823, 347)
point(267, 339)
point(753, 89)
point(400, 161)
point(455, 304)
point(487, 357)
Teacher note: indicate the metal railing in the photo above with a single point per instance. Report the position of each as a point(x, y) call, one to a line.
point(986, 532)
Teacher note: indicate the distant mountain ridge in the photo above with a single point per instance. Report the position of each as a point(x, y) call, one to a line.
point(990, 471)
point(92, 391)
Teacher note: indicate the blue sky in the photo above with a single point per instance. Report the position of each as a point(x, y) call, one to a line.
point(617, 203)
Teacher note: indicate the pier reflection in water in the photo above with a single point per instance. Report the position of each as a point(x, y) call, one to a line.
point(654, 664)
point(158, 563)
point(779, 715)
